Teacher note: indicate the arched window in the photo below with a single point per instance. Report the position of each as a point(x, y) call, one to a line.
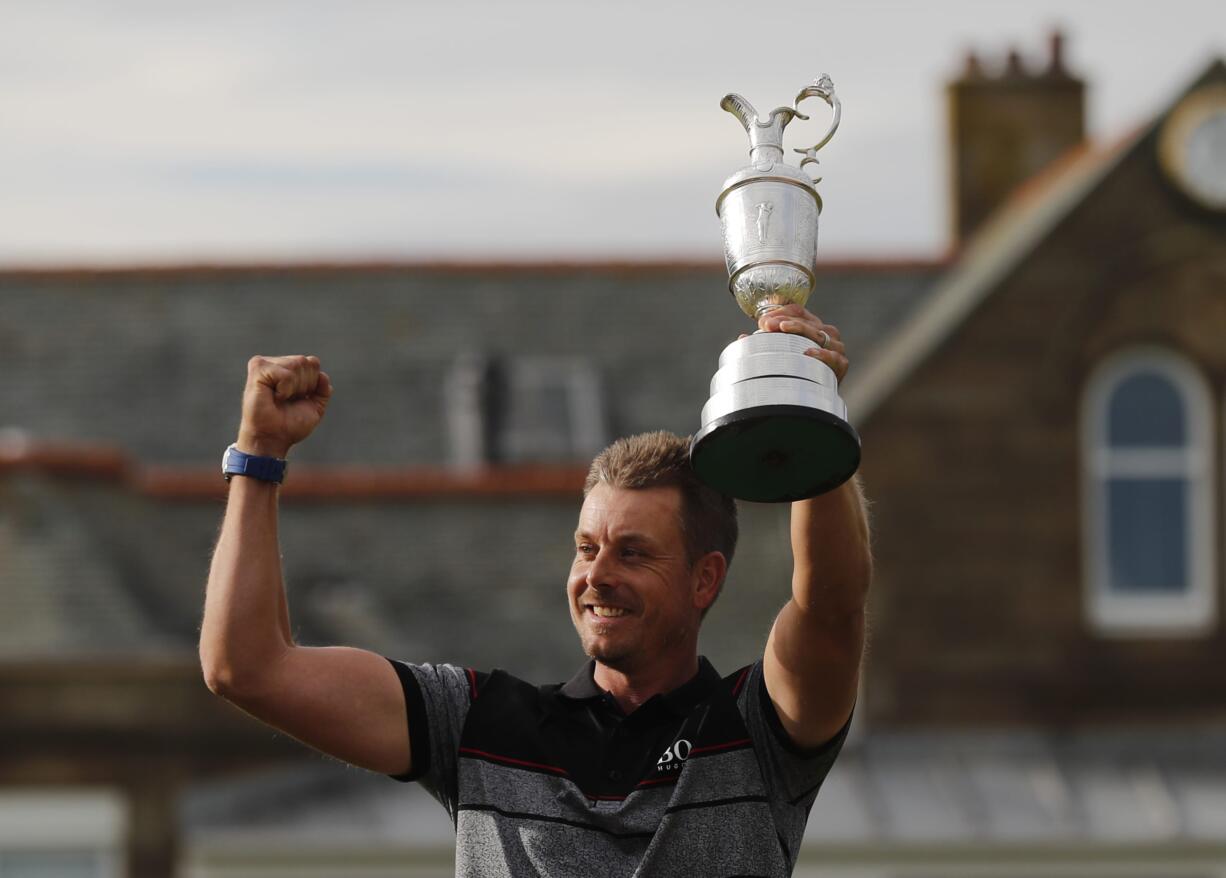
point(1147, 463)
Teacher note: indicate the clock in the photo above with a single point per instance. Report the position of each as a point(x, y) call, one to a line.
point(1192, 146)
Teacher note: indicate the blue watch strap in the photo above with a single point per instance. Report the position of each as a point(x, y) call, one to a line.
point(266, 469)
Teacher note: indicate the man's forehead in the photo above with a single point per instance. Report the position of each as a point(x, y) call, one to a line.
point(628, 509)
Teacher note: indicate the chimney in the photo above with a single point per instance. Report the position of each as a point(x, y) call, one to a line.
point(1004, 127)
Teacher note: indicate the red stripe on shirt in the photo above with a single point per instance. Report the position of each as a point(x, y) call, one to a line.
point(727, 745)
point(469, 751)
point(736, 690)
point(656, 780)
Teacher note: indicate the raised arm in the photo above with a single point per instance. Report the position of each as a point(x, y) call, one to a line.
point(345, 702)
point(812, 660)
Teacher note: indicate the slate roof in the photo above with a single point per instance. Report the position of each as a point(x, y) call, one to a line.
point(153, 362)
point(64, 591)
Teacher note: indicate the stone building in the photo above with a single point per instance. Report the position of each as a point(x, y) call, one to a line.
point(1042, 416)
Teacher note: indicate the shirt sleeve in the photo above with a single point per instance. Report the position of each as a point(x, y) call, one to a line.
point(437, 699)
point(793, 774)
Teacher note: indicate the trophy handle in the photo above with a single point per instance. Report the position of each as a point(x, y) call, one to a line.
point(822, 88)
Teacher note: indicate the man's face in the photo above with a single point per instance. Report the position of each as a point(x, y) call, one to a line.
point(633, 595)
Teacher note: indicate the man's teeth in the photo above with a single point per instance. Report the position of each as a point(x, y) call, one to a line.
point(609, 611)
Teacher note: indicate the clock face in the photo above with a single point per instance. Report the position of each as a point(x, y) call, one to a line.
point(1192, 146)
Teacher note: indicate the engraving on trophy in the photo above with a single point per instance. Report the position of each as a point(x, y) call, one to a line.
point(764, 218)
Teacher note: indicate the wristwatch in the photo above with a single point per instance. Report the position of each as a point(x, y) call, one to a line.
point(266, 469)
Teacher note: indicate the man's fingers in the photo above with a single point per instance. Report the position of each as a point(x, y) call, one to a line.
point(323, 387)
point(288, 377)
point(283, 403)
point(308, 376)
point(785, 311)
point(835, 360)
point(824, 334)
point(831, 342)
point(284, 387)
point(832, 331)
point(795, 319)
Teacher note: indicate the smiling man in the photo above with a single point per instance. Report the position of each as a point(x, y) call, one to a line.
point(647, 762)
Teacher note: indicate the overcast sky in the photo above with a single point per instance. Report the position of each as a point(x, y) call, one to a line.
point(227, 131)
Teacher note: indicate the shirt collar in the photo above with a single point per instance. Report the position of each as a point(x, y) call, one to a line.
point(681, 700)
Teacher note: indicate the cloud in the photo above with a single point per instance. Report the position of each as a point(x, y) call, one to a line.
point(470, 127)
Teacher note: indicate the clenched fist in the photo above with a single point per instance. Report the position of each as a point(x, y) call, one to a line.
point(283, 403)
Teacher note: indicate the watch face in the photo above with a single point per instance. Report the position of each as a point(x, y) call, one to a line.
point(1192, 146)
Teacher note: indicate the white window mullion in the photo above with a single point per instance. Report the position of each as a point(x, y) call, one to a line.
point(1149, 463)
point(1127, 608)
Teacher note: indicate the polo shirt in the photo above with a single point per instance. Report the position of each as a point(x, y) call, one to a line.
point(555, 780)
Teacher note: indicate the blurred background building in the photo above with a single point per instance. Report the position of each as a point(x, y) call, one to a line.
point(1042, 414)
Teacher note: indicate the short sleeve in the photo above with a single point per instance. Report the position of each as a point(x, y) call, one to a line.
point(793, 775)
point(437, 699)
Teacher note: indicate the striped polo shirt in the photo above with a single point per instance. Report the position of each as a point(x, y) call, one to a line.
point(555, 781)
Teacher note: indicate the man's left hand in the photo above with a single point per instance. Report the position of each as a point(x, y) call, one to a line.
point(798, 321)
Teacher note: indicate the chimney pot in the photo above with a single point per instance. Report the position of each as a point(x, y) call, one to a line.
point(1013, 66)
point(1056, 64)
point(1005, 128)
point(971, 68)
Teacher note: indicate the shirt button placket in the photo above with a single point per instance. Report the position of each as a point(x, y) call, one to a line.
point(614, 755)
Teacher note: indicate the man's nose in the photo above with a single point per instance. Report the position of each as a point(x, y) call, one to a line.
point(602, 570)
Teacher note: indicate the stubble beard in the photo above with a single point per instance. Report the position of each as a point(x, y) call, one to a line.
point(616, 656)
point(627, 656)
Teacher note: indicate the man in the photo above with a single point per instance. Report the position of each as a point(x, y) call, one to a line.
point(647, 763)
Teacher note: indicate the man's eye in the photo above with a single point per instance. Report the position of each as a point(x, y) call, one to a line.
point(585, 549)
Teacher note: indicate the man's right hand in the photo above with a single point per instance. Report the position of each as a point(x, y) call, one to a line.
point(284, 401)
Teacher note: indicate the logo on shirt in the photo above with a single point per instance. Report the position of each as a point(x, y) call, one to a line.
point(674, 755)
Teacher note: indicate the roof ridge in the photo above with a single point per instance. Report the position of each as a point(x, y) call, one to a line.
point(994, 250)
point(645, 265)
point(309, 482)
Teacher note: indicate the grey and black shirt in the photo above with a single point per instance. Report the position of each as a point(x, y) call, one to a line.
point(554, 780)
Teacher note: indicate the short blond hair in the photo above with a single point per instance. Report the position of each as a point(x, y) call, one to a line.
point(660, 460)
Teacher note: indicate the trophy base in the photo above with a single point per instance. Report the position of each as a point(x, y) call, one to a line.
point(775, 453)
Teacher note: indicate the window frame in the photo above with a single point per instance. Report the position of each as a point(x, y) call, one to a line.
point(1192, 612)
point(50, 820)
point(476, 441)
point(580, 383)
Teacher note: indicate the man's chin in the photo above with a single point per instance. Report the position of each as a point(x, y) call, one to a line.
point(616, 656)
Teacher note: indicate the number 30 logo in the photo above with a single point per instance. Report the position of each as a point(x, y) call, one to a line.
point(674, 755)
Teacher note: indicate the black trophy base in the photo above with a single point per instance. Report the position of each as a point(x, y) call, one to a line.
point(776, 453)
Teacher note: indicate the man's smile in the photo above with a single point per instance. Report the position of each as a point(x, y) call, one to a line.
point(607, 612)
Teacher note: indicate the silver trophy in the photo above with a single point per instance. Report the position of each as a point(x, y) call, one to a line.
point(775, 427)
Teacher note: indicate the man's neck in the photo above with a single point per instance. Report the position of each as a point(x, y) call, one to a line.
point(630, 689)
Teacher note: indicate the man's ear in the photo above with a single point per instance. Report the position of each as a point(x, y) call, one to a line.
point(709, 572)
